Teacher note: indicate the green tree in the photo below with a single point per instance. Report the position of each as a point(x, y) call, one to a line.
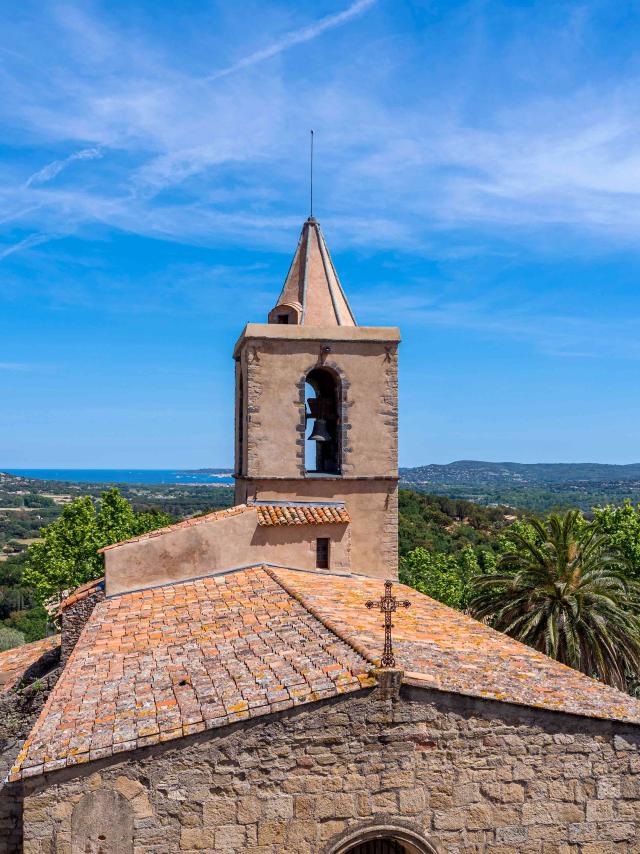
point(67, 555)
point(10, 638)
point(32, 624)
point(445, 577)
point(562, 589)
point(621, 525)
point(115, 519)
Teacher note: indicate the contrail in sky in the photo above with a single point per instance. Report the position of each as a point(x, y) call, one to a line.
point(48, 172)
point(306, 34)
point(27, 243)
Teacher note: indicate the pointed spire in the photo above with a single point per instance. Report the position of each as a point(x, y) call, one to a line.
point(312, 294)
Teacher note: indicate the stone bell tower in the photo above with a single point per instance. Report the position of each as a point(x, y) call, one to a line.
point(317, 408)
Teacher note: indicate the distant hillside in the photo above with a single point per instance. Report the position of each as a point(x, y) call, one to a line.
point(536, 486)
point(476, 471)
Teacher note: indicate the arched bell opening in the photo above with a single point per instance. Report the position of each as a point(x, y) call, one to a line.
point(322, 434)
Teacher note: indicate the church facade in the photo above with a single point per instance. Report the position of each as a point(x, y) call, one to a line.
point(222, 687)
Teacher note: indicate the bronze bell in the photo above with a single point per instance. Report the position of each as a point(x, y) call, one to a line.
point(319, 433)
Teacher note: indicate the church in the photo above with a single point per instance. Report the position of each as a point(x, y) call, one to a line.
point(255, 681)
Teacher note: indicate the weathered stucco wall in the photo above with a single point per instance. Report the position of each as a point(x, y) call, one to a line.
point(219, 544)
point(373, 509)
point(466, 775)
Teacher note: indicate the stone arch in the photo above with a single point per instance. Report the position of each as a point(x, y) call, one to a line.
point(411, 838)
point(323, 399)
point(342, 387)
point(102, 823)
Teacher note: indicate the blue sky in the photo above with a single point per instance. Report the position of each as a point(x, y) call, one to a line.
point(478, 183)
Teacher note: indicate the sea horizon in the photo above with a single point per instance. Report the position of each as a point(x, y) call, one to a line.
point(179, 477)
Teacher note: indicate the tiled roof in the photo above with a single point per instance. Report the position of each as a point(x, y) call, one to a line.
point(299, 514)
point(159, 664)
point(14, 662)
point(446, 650)
point(80, 593)
point(187, 523)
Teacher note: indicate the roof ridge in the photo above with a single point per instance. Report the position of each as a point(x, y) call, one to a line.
point(235, 510)
point(328, 624)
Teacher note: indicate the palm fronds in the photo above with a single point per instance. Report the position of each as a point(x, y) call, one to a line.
point(565, 592)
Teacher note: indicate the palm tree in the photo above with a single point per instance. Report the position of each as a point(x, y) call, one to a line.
point(564, 592)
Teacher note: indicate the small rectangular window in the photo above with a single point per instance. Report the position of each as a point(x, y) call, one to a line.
point(322, 553)
point(283, 318)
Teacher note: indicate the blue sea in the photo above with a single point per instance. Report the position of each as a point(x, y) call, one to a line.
point(185, 477)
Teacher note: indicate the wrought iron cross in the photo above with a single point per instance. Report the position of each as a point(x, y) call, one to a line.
point(388, 604)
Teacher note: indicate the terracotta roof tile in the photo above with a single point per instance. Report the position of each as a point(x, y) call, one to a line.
point(14, 662)
point(80, 593)
point(158, 664)
point(446, 650)
point(302, 514)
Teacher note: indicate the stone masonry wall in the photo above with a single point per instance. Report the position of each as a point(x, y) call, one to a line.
point(466, 775)
point(19, 709)
point(73, 620)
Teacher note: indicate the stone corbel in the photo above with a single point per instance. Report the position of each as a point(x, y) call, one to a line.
point(325, 350)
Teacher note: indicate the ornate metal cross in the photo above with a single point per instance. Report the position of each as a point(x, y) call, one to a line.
point(388, 604)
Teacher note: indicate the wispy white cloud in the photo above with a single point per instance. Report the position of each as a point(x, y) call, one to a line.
point(205, 160)
point(15, 366)
point(492, 316)
point(305, 34)
point(26, 243)
point(49, 172)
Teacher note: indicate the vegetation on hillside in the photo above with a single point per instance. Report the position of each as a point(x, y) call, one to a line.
point(540, 487)
point(579, 605)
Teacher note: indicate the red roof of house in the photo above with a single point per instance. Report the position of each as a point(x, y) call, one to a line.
point(302, 514)
point(157, 664)
point(14, 662)
point(162, 663)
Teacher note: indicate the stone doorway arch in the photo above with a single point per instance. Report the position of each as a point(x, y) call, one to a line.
point(381, 838)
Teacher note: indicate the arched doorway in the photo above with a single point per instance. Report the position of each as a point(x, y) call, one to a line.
point(378, 846)
point(378, 838)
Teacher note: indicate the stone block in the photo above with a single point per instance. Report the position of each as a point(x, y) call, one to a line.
point(249, 809)
point(271, 832)
point(141, 806)
point(455, 819)
point(128, 787)
point(506, 793)
point(218, 811)
point(608, 787)
point(600, 811)
point(278, 807)
point(230, 838)
point(195, 839)
point(511, 834)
